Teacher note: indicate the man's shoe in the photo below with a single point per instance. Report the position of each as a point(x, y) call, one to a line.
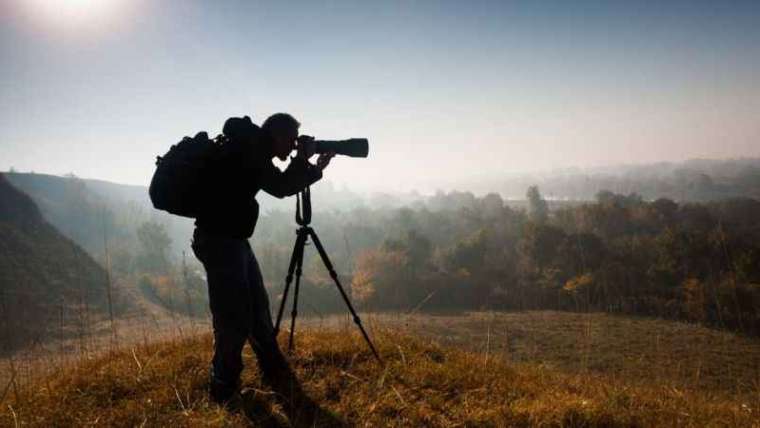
point(223, 394)
point(232, 403)
point(273, 361)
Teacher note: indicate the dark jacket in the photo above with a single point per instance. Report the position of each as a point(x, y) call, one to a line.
point(242, 170)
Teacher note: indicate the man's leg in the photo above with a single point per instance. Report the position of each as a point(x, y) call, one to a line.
point(263, 342)
point(226, 264)
point(226, 365)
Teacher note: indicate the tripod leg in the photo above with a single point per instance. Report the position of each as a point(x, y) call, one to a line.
point(334, 276)
point(288, 280)
point(299, 265)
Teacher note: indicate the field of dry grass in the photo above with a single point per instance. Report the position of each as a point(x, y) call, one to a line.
point(424, 382)
point(625, 349)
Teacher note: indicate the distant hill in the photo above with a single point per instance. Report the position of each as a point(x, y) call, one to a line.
point(89, 211)
point(43, 274)
point(695, 180)
point(86, 209)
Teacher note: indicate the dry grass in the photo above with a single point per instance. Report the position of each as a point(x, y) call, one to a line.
point(422, 384)
point(633, 350)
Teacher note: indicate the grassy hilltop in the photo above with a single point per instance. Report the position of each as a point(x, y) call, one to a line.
point(421, 384)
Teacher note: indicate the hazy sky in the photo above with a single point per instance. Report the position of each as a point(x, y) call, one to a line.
point(441, 89)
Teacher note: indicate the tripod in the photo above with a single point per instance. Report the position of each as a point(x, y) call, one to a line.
point(304, 232)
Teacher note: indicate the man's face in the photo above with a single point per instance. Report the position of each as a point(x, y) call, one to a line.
point(284, 143)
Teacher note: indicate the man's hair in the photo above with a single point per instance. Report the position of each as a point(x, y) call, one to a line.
point(279, 122)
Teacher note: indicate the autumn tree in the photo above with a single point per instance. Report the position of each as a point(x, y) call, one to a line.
point(379, 280)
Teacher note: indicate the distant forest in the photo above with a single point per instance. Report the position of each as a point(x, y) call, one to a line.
point(693, 258)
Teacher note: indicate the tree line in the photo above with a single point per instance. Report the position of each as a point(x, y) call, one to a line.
point(458, 251)
point(696, 262)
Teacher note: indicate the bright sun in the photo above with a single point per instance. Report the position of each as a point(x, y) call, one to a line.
point(74, 14)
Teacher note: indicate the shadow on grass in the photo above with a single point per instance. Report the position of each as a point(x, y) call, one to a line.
point(298, 409)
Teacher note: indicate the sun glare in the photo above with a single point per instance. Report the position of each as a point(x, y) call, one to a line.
point(74, 15)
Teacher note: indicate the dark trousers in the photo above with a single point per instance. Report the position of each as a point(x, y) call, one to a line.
point(239, 307)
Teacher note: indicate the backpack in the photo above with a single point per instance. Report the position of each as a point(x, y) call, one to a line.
point(180, 183)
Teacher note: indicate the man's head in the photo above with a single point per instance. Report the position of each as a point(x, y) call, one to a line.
point(282, 130)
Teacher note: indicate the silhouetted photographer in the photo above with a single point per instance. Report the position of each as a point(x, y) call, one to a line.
point(216, 182)
point(238, 299)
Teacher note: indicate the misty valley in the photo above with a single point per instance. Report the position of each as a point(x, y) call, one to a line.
point(588, 286)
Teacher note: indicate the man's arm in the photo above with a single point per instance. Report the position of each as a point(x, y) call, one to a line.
point(299, 174)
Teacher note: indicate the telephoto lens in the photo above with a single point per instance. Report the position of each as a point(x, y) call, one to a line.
point(353, 147)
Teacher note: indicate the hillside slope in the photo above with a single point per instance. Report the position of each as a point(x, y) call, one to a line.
point(43, 275)
point(83, 210)
point(421, 384)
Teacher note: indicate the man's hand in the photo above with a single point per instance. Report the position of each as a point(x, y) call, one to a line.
point(306, 146)
point(324, 159)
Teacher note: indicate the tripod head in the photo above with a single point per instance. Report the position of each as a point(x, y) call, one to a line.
point(303, 207)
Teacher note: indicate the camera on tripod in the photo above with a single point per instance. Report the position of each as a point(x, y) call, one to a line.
point(352, 147)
